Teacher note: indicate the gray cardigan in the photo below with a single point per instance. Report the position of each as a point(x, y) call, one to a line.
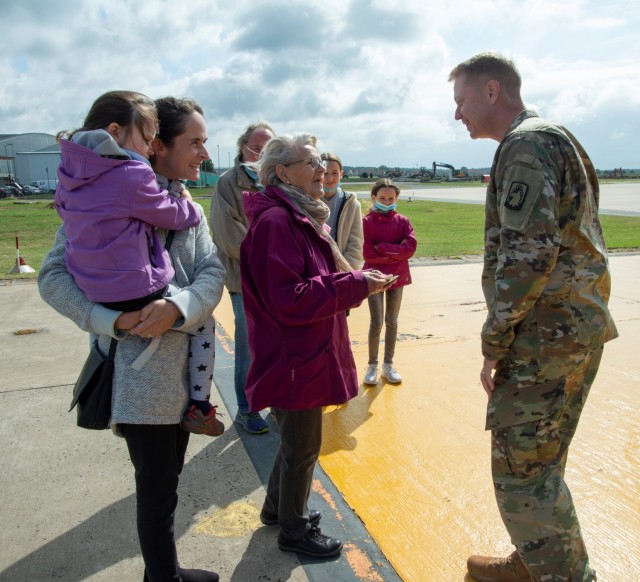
point(156, 392)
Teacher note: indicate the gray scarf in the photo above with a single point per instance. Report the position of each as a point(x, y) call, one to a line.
point(317, 212)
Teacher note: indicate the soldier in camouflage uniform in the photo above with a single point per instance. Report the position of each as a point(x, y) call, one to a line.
point(546, 283)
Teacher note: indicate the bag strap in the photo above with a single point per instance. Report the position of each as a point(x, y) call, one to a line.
point(112, 349)
point(334, 233)
point(169, 241)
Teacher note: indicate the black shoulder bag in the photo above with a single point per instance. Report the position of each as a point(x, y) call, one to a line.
point(92, 392)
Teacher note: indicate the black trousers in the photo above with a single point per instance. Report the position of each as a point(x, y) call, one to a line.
point(292, 474)
point(157, 453)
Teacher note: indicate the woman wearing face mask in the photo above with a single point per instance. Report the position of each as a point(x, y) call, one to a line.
point(345, 215)
point(389, 243)
point(296, 287)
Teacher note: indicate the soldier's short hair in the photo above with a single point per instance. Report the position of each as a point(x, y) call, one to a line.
point(487, 66)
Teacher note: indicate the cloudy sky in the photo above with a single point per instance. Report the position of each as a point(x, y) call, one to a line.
point(368, 77)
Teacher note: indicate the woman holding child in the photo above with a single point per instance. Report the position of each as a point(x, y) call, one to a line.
point(151, 388)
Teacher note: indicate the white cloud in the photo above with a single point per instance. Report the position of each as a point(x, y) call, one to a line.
point(369, 77)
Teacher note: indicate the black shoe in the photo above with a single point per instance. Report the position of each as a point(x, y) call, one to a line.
point(315, 544)
point(314, 518)
point(190, 575)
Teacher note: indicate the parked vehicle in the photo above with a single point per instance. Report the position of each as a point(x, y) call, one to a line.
point(45, 185)
point(8, 191)
point(12, 189)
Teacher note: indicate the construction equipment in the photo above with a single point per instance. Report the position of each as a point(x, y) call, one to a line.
point(455, 174)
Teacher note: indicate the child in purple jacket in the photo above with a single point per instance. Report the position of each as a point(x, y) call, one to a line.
point(110, 204)
point(389, 243)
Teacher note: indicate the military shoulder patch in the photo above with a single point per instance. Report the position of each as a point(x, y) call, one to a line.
point(516, 196)
point(522, 188)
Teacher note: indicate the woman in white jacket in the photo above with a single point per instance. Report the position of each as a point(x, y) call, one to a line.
point(150, 386)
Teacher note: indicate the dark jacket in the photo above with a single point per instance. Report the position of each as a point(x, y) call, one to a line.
point(295, 301)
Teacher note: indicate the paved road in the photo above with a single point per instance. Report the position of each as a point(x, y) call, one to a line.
point(615, 199)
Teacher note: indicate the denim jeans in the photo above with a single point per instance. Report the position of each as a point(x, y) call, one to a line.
point(242, 354)
point(377, 311)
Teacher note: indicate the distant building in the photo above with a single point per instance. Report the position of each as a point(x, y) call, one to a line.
point(29, 157)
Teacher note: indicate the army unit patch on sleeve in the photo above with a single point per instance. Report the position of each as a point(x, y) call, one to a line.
point(522, 188)
point(516, 196)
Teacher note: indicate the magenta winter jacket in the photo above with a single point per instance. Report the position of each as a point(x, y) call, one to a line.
point(389, 243)
point(295, 301)
point(107, 206)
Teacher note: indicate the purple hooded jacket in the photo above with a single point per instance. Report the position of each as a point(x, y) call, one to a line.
point(295, 301)
point(109, 207)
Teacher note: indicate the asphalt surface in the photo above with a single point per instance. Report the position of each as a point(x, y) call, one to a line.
point(68, 510)
point(68, 499)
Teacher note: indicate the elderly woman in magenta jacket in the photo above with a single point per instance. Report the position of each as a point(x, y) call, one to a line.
point(296, 287)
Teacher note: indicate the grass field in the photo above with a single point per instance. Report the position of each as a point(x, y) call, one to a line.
point(443, 229)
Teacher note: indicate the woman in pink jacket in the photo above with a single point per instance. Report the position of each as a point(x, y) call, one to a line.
point(296, 287)
point(389, 243)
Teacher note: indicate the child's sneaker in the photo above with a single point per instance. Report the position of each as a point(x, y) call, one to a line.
point(390, 374)
point(194, 420)
point(371, 375)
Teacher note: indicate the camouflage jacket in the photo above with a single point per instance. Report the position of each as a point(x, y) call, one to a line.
point(546, 278)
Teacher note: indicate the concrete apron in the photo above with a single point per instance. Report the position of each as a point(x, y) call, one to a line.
point(68, 509)
point(412, 461)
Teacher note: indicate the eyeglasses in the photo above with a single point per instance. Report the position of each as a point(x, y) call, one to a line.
point(315, 163)
point(254, 152)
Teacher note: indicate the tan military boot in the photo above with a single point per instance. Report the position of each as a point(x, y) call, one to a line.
point(486, 569)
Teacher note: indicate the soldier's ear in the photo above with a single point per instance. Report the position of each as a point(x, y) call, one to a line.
point(492, 90)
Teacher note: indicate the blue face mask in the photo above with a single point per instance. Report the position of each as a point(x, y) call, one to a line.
point(251, 174)
point(383, 207)
point(329, 190)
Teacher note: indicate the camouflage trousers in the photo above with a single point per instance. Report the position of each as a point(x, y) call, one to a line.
point(534, 418)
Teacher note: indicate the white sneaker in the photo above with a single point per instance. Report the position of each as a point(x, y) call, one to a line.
point(390, 374)
point(371, 375)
